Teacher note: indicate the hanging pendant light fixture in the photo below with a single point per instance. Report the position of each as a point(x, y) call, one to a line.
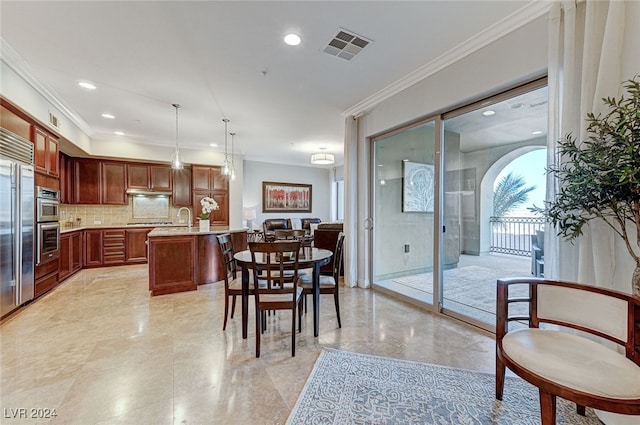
point(233, 166)
point(176, 162)
point(226, 168)
point(322, 158)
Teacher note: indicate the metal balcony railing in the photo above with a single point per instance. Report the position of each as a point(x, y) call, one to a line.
point(512, 235)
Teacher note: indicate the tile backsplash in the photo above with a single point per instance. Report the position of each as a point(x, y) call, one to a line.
point(144, 210)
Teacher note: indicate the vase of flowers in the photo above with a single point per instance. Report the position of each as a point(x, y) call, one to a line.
point(208, 205)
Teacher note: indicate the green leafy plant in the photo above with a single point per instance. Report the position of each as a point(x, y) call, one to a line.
point(600, 177)
point(509, 193)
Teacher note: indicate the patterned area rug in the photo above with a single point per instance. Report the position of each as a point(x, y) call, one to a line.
point(351, 388)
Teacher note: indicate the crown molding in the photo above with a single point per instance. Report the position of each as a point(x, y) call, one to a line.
point(14, 61)
point(510, 23)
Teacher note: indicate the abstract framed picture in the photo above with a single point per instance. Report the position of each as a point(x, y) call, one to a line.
point(285, 197)
point(417, 187)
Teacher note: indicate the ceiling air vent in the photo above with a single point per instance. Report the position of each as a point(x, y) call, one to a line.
point(346, 44)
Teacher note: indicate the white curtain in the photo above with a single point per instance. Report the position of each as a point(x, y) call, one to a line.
point(350, 200)
point(586, 42)
point(585, 52)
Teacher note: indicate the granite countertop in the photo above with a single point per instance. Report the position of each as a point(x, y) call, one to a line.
point(194, 230)
point(158, 229)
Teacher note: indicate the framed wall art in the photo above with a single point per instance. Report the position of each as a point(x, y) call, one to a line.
point(417, 187)
point(286, 197)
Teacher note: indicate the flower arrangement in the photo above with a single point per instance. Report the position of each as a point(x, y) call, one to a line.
point(208, 205)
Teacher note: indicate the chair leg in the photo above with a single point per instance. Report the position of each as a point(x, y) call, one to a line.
point(500, 370)
point(233, 306)
point(258, 331)
point(581, 410)
point(547, 408)
point(293, 331)
point(226, 312)
point(300, 315)
point(336, 299)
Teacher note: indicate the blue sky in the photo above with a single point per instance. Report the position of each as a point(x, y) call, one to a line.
point(531, 167)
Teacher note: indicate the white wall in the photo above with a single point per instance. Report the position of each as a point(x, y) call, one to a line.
point(513, 58)
point(257, 172)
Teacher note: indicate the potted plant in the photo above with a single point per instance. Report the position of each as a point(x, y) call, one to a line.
point(600, 177)
point(208, 205)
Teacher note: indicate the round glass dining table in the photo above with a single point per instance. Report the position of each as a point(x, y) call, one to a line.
point(310, 258)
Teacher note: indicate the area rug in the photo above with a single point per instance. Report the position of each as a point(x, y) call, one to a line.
point(352, 388)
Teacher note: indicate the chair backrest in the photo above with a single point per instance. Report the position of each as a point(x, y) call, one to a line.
point(289, 234)
point(272, 224)
point(227, 251)
point(275, 263)
point(337, 257)
point(306, 223)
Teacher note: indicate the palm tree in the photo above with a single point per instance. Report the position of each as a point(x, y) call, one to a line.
point(509, 193)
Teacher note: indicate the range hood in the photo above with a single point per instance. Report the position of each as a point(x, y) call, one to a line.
point(147, 192)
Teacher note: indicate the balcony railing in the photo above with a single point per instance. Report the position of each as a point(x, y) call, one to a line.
point(512, 235)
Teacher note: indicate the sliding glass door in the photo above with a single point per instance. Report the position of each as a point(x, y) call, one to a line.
point(403, 211)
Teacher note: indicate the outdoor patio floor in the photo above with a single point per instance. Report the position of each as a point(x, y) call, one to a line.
point(469, 289)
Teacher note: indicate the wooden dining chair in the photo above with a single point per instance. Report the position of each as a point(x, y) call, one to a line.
point(290, 234)
point(270, 262)
point(328, 284)
point(232, 282)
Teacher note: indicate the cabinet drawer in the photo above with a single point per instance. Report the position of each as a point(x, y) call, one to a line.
point(113, 259)
point(113, 234)
point(113, 250)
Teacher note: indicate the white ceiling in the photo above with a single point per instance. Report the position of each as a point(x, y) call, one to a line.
point(227, 59)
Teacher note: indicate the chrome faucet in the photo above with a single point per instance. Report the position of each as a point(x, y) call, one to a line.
point(188, 210)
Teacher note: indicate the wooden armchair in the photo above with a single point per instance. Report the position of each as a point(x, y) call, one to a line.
point(569, 365)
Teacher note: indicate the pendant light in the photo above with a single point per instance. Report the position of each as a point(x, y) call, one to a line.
point(322, 158)
point(176, 162)
point(226, 169)
point(233, 167)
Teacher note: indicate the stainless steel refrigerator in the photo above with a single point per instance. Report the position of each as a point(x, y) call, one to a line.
point(16, 222)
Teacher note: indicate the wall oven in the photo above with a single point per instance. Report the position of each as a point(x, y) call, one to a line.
point(48, 225)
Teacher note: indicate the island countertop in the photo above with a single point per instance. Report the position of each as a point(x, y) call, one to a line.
point(181, 258)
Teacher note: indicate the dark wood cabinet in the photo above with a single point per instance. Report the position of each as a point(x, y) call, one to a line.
point(12, 120)
point(114, 183)
point(209, 178)
point(182, 187)
point(209, 181)
point(136, 245)
point(70, 254)
point(160, 178)
point(113, 247)
point(87, 181)
point(45, 151)
point(149, 177)
point(219, 217)
point(66, 179)
point(137, 176)
point(93, 248)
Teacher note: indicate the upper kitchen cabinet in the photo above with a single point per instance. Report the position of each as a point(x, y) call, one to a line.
point(182, 187)
point(87, 176)
point(66, 179)
point(113, 183)
point(11, 120)
point(149, 177)
point(209, 178)
point(45, 151)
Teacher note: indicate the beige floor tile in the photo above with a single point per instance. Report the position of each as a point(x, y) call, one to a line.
point(101, 350)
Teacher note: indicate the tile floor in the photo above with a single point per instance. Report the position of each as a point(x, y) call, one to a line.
point(100, 350)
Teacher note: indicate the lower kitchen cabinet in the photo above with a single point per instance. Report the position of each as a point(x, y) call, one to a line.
point(93, 248)
point(71, 250)
point(136, 245)
point(113, 247)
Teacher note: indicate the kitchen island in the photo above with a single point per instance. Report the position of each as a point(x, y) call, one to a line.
point(181, 258)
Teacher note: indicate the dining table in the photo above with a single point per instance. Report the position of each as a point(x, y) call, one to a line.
point(309, 258)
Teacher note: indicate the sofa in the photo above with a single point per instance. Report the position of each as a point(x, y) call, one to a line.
point(326, 236)
point(271, 224)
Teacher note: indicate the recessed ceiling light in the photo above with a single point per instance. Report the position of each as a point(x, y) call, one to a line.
point(119, 133)
point(87, 85)
point(405, 160)
point(111, 117)
point(292, 39)
point(213, 145)
point(380, 165)
point(536, 132)
point(488, 113)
